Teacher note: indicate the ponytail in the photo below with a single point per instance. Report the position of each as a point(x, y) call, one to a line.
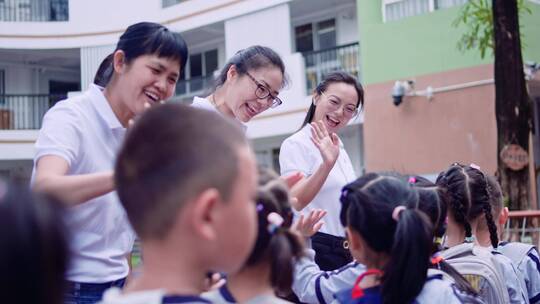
point(283, 249)
point(406, 271)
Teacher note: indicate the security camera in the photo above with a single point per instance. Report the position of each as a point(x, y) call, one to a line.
point(398, 92)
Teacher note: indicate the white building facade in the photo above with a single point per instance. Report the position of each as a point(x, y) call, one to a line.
point(51, 47)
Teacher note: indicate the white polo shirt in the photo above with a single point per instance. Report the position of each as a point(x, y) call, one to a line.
point(203, 103)
point(298, 153)
point(85, 132)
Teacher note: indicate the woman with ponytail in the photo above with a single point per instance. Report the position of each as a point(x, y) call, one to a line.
point(470, 220)
point(393, 239)
point(317, 152)
point(269, 269)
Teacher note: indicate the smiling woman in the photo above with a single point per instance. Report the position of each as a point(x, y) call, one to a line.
point(78, 143)
point(317, 152)
point(247, 85)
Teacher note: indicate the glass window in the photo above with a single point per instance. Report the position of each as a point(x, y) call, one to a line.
point(304, 38)
point(326, 34)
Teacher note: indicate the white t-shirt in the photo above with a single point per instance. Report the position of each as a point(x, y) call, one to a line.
point(85, 132)
point(298, 153)
point(157, 296)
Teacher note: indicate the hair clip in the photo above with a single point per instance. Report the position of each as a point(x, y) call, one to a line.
point(260, 207)
point(412, 180)
point(436, 259)
point(274, 222)
point(438, 240)
point(475, 166)
point(469, 239)
point(397, 211)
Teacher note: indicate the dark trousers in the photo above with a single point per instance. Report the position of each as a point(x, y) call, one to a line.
point(88, 293)
point(331, 252)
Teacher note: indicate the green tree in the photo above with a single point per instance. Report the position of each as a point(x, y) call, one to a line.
point(495, 27)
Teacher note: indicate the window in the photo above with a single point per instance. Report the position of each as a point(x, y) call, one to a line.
point(199, 72)
point(393, 10)
point(315, 36)
point(2, 82)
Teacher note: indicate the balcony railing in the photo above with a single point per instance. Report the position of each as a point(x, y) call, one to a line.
point(34, 10)
point(25, 112)
point(186, 89)
point(341, 58)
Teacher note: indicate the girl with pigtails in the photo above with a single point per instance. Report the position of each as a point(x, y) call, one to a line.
point(312, 285)
point(471, 220)
point(393, 238)
point(269, 269)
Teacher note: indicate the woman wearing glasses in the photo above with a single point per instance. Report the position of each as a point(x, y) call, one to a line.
point(317, 152)
point(247, 85)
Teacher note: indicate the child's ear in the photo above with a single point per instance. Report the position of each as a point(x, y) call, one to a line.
point(503, 216)
point(203, 215)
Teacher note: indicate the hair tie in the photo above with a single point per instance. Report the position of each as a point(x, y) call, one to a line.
point(475, 166)
point(397, 211)
point(412, 180)
point(260, 207)
point(469, 239)
point(274, 222)
point(436, 259)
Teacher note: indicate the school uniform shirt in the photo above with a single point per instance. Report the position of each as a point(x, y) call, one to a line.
point(313, 285)
point(298, 153)
point(203, 103)
point(84, 131)
point(224, 296)
point(158, 296)
point(435, 290)
point(515, 283)
point(529, 267)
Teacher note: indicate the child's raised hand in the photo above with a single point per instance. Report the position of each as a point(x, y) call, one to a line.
point(309, 225)
point(328, 144)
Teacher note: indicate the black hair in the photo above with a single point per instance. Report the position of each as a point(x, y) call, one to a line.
point(468, 197)
point(330, 78)
point(433, 202)
point(149, 38)
point(277, 246)
point(158, 154)
point(34, 247)
point(252, 58)
point(367, 207)
point(104, 71)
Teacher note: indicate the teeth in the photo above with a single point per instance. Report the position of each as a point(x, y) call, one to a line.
point(152, 96)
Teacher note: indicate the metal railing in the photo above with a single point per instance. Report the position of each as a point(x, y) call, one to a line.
point(25, 112)
point(193, 86)
point(34, 10)
point(523, 226)
point(340, 58)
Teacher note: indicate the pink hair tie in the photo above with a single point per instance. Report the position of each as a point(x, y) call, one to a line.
point(397, 211)
point(412, 180)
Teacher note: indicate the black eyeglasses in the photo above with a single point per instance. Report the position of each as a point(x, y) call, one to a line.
point(262, 92)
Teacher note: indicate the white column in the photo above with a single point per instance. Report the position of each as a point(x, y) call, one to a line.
point(91, 57)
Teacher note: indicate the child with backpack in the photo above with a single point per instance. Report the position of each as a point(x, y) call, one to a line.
point(390, 235)
point(470, 220)
point(312, 285)
point(524, 256)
